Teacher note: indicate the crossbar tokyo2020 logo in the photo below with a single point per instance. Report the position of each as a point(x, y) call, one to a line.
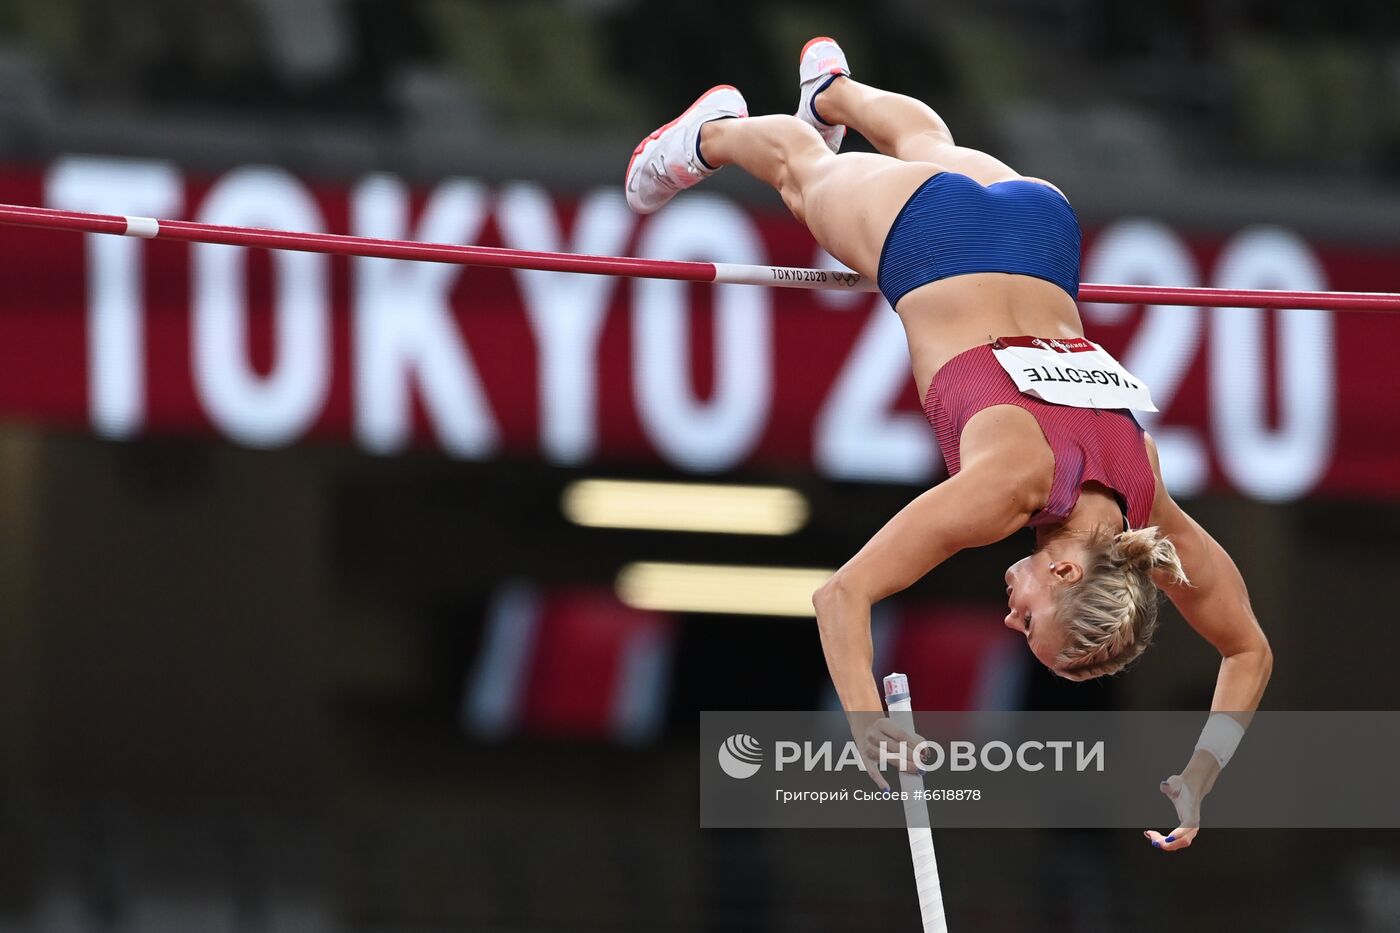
point(740, 756)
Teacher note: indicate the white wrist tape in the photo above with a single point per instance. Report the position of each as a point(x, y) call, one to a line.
point(1221, 737)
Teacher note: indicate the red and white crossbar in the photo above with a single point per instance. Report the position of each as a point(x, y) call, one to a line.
point(686, 271)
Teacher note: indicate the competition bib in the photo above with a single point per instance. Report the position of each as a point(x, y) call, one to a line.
point(1075, 372)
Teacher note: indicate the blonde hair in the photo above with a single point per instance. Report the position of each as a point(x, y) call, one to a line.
point(1110, 614)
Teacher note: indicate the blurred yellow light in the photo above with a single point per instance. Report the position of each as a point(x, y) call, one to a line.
point(764, 591)
point(745, 510)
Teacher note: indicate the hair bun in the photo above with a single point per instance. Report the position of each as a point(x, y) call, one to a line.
point(1146, 550)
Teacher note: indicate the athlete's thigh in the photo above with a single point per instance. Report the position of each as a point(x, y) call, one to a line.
point(850, 205)
point(974, 163)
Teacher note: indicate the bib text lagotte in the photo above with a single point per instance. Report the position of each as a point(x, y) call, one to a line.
point(1075, 372)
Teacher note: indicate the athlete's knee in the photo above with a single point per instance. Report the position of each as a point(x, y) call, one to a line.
point(819, 191)
point(795, 202)
point(809, 184)
point(802, 169)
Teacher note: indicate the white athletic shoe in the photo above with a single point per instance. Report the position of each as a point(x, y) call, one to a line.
point(668, 161)
point(821, 61)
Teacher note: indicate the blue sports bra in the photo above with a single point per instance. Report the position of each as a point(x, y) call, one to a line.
point(953, 226)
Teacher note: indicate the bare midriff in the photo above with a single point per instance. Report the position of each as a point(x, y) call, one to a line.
point(944, 318)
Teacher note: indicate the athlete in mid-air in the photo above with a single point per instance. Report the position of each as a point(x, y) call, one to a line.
point(1035, 422)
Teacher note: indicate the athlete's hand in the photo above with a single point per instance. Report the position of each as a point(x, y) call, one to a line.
point(875, 735)
point(1187, 801)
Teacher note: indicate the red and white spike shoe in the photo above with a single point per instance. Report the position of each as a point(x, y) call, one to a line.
point(821, 63)
point(669, 161)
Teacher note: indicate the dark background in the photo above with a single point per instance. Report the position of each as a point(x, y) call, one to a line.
point(231, 682)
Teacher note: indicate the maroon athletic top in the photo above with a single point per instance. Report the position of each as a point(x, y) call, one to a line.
point(1100, 445)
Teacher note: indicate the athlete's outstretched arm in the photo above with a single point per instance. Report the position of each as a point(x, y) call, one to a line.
point(1215, 604)
point(979, 506)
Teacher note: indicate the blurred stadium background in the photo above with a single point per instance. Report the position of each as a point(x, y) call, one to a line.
point(296, 631)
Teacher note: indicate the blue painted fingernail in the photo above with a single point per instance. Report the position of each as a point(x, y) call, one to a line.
point(1171, 839)
point(1156, 844)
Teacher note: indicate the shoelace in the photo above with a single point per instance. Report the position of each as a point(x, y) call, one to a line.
point(662, 172)
point(663, 175)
